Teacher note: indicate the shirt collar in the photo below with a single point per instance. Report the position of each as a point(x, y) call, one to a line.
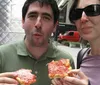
point(50, 53)
point(21, 49)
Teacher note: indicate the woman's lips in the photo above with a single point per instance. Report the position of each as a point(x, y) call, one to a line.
point(86, 30)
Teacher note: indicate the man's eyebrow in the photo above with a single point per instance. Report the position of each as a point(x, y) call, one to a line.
point(47, 14)
point(32, 13)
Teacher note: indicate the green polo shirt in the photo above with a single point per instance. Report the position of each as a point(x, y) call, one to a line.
point(15, 56)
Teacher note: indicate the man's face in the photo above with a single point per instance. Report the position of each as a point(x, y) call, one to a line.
point(38, 24)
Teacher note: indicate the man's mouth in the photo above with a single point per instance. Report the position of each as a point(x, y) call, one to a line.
point(37, 35)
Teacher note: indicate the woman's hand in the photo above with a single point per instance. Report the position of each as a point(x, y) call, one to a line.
point(78, 78)
point(7, 78)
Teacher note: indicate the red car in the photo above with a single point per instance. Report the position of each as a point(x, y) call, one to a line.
point(72, 36)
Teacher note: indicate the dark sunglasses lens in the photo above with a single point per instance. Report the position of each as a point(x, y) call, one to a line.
point(76, 14)
point(92, 10)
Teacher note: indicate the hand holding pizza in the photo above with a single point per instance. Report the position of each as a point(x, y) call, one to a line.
point(25, 77)
point(77, 78)
point(61, 73)
point(22, 76)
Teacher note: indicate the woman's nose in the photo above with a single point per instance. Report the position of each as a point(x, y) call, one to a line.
point(84, 17)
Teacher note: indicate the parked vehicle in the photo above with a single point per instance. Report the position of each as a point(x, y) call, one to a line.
point(69, 36)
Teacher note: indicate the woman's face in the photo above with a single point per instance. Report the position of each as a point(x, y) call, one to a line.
point(88, 26)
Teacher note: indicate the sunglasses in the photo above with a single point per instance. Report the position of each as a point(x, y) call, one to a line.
point(91, 10)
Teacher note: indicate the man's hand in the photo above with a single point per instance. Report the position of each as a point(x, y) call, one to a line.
point(7, 78)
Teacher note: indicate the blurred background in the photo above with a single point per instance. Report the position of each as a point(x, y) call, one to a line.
point(10, 19)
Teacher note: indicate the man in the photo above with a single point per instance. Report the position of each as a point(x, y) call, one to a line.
point(39, 20)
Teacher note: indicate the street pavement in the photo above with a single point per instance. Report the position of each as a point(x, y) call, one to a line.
point(73, 51)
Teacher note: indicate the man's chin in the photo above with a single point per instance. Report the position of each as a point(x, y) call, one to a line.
point(37, 44)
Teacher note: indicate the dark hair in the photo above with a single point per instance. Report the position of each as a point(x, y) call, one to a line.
point(74, 5)
point(52, 3)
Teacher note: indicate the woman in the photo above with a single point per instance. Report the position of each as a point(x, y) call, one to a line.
point(85, 14)
point(87, 21)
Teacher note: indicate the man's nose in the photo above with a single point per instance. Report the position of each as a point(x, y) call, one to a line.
point(38, 22)
point(84, 17)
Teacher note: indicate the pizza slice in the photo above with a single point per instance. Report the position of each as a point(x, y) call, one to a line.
point(58, 69)
point(25, 77)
